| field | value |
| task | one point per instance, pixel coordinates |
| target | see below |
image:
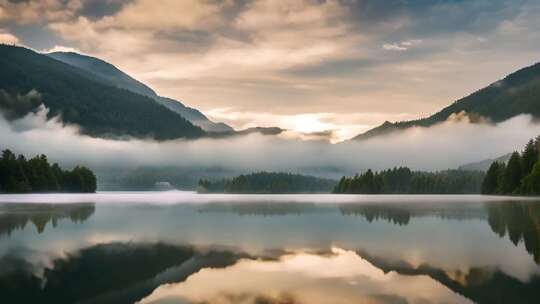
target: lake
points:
(181, 247)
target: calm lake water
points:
(179, 247)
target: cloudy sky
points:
(307, 65)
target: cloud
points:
(297, 56)
(8, 38)
(61, 48)
(169, 15)
(37, 11)
(394, 47)
(443, 146)
(338, 127)
(401, 46)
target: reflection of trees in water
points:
(106, 273)
(401, 214)
(393, 214)
(17, 216)
(520, 221)
(263, 209)
(479, 284)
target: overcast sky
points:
(308, 65)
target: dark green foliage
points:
(18, 175)
(490, 185)
(530, 184)
(520, 176)
(404, 181)
(112, 76)
(530, 156)
(516, 94)
(268, 182)
(16, 106)
(93, 272)
(519, 221)
(511, 177)
(83, 99)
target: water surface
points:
(178, 247)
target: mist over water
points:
(446, 145)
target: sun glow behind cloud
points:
(326, 126)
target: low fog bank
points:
(447, 145)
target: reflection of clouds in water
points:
(302, 277)
(448, 232)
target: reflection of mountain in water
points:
(481, 285)
(128, 272)
(17, 216)
(263, 209)
(105, 273)
(401, 214)
(520, 220)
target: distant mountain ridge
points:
(85, 99)
(483, 165)
(114, 76)
(518, 93)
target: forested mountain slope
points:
(518, 93)
(112, 75)
(82, 99)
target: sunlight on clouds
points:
(61, 48)
(301, 56)
(339, 126)
(168, 15)
(8, 38)
(35, 11)
(401, 46)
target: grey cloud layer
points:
(447, 145)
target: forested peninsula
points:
(403, 180)
(268, 183)
(36, 175)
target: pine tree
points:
(531, 183)
(530, 157)
(491, 181)
(512, 175)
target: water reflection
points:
(268, 249)
(17, 216)
(480, 284)
(303, 277)
(401, 214)
(257, 208)
(520, 221)
(105, 273)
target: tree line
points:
(520, 176)
(21, 175)
(269, 183)
(403, 180)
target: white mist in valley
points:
(446, 145)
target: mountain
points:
(85, 99)
(518, 93)
(259, 130)
(112, 75)
(483, 165)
